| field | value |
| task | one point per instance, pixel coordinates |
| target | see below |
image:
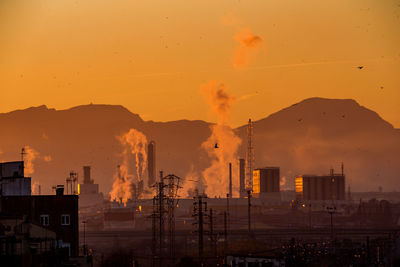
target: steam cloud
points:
(134, 143)
(30, 155)
(249, 44)
(216, 177)
(35, 188)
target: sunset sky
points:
(153, 56)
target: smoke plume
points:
(223, 143)
(248, 45)
(192, 184)
(134, 143)
(122, 186)
(35, 188)
(30, 156)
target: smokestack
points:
(342, 169)
(151, 163)
(86, 175)
(230, 180)
(242, 171)
(60, 190)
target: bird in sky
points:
(216, 145)
(360, 67)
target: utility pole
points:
(227, 210)
(211, 224)
(230, 179)
(249, 210)
(198, 212)
(200, 230)
(161, 215)
(331, 211)
(225, 233)
(84, 238)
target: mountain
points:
(309, 137)
(318, 134)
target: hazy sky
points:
(153, 56)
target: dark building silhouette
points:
(242, 177)
(12, 179)
(266, 180)
(320, 187)
(58, 213)
(151, 163)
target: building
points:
(151, 163)
(88, 187)
(266, 183)
(57, 213)
(13, 181)
(320, 187)
(23, 243)
(242, 177)
(266, 180)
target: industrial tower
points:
(249, 156)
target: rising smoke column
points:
(223, 143)
(134, 143)
(29, 157)
(122, 186)
(248, 45)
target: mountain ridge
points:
(309, 136)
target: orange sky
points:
(153, 56)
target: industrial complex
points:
(254, 224)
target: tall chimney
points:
(151, 163)
(230, 180)
(86, 175)
(60, 190)
(242, 172)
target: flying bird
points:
(216, 145)
(360, 67)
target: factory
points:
(320, 187)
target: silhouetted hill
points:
(318, 134)
(308, 137)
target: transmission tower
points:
(250, 155)
(199, 212)
(164, 203)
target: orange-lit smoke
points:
(134, 142)
(122, 186)
(249, 44)
(282, 183)
(223, 143)
(35, 188)
(192, 184)
(30, 155)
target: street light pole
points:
(84, 238)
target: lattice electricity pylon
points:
(164, 203)
(173, 186)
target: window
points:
(44, 219)
(65, 219)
